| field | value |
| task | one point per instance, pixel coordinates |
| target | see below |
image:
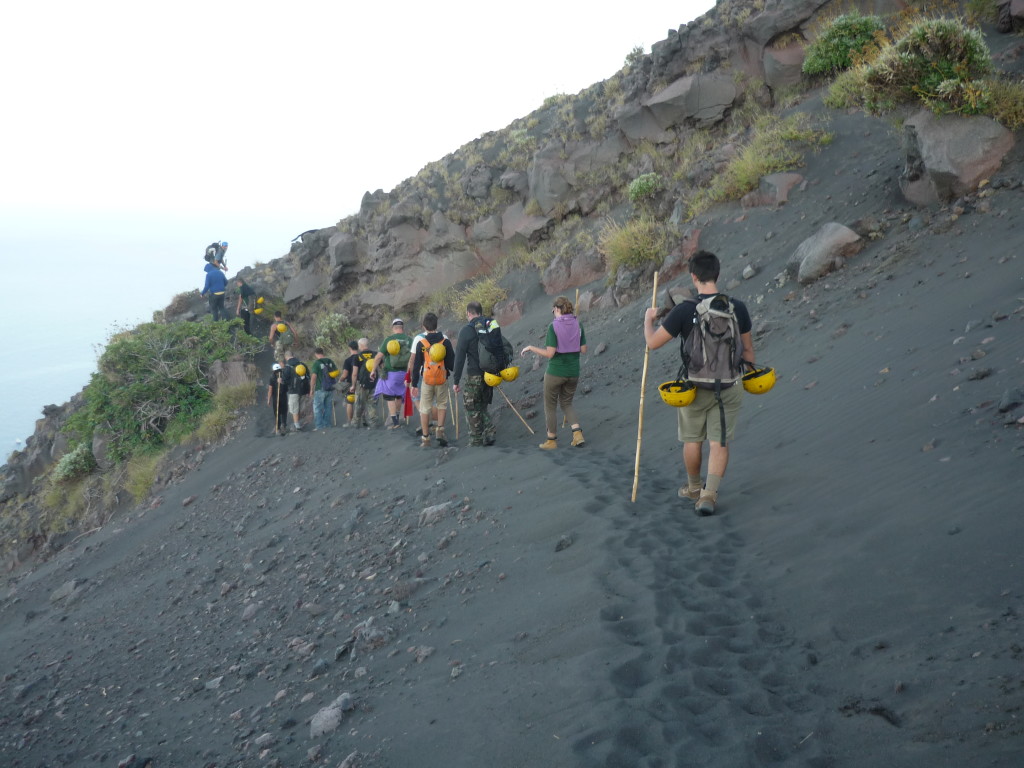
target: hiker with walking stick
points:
(277, 398)
(713, 362)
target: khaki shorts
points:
(701, 420)
(293, 403)
(433, 396)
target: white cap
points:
(398, 321)
(277, 367)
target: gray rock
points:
(325, 721)
(948, 155)
(824, 251)
(1011, 399)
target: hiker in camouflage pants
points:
(476, 394)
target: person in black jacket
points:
(477, 395)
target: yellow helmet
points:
(678, 394)
(759, 380)
(281, 327)
(334, 374)
(258, 310)
(510, 374)
(350, 397)
(492, 380)
(259, 300)
(300, 369)
(369, 365)
(394, 347)
(437, 352)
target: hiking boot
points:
(548, 445)
(690, 492)
(441, 439)
(424, 442)
(706, 503)
(577, 438)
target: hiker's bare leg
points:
(718, 458)
(692, 458)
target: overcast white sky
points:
(287, 110)
(136, 133)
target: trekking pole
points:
(455, 404)
(643, 387)
(334, 413)
(516, 412)
(277, 404)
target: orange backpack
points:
(434, 374)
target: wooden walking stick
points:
(643, 388)
(277, 404)
(516, 412)
(455, 405)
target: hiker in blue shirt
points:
(216, 286)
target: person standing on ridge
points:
(432, 368)
(245, 304)
(216, 285)
(564, 342)
(702, 420)
(215, 253)
(322, 387)
(477, 395)
(390, 368)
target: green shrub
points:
(844, 39)
(773, 145)
(644, 188)
(226, 406)
(983, 10)
(74, 464)
(484, 290)
(1006, 101)
(938, 62)
(141, 474)
(152, 385)
(633, 244)
(333, 331)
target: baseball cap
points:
(277, 367)
(398, 321)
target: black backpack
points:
(494, 351)
(363, 375)
(326, 366)
(297, 385)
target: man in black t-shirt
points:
(699, 421)
(348, 376)
(277, 398)
(244, 306)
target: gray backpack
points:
(711, 353)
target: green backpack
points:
(400, 361)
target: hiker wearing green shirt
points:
(564, 342)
